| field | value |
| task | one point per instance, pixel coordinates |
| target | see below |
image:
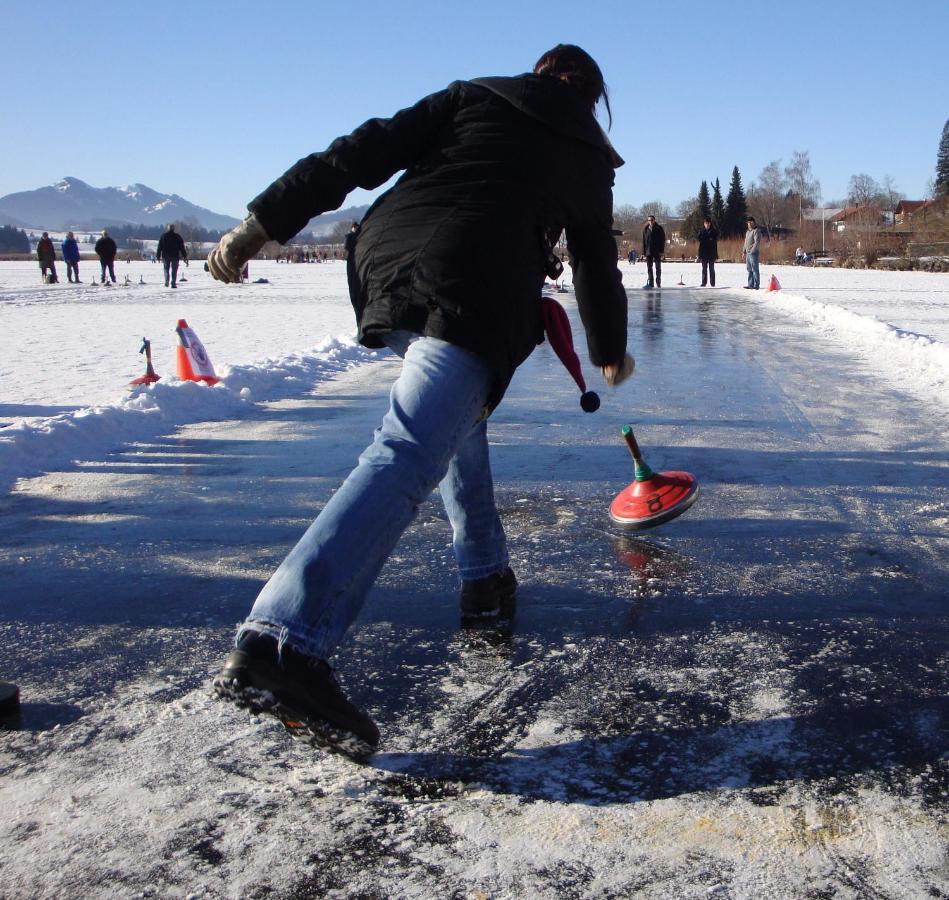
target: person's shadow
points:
(833, 742)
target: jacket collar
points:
(554, 103)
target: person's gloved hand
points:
(617, 373)
(236, 248)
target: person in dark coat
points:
(71, 257)
(46, 254)
(105, 249)
(171, 250)
(708, 251)
(654, 245)
(494, 168)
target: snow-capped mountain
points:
(72, 203)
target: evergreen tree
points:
(718, 206)
(12, 240)
(692, 224)
(736, 208)
(942, 164)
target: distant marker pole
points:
(149, 377)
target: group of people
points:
(654, 245)
(171, 251)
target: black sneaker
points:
(489, 598)
(301, 691)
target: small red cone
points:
(149, 377)
(773, 285)
(653, 497)
(193, 361)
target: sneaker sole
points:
(318, 733)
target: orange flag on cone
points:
(193, 361)
(773, 285)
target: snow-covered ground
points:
(68, 352)
(747, 702)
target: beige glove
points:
(236, 248)
(616, 374)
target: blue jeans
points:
(754, 274)
(434, 433)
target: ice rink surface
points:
(748, 701)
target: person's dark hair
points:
(574, 65)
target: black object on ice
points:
(301, 691)
(9, 700)
(489, 598)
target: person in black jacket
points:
(495, 167)
(171, 250)
(105, 249)
(708, 251)
(46, 254)
(654, 245)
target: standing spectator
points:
(71, 256)
(708, 251)
(46, 254)
(654, 245)
(751, 252)
(171, 250)
(631, 256)
(461, 336)
(106, 250)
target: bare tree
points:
(654, 208)
(340, 230)
(889, 194)
(801, 182)
(863, 190)
(767, 196)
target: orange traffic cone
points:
(773, 284)
(149, 377)
(193, 361)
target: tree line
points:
(12, 240)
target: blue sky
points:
(213, 101)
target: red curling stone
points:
(654, 497)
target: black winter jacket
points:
(708, 243)
(171, 246)
(495, 169)
(654, 243)
(106, 249)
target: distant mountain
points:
(72, 203)
(324, 224)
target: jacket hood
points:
(554, 103)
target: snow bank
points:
(915, 361)
(29, 448)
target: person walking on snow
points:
(751, 253)
(105, 249)
(46, 254)
(493, 167)
(654, 245)
(171, 250)
(71, 257)
(708, 251)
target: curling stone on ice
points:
(149, 377)
(653, 497)
(557, 327)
